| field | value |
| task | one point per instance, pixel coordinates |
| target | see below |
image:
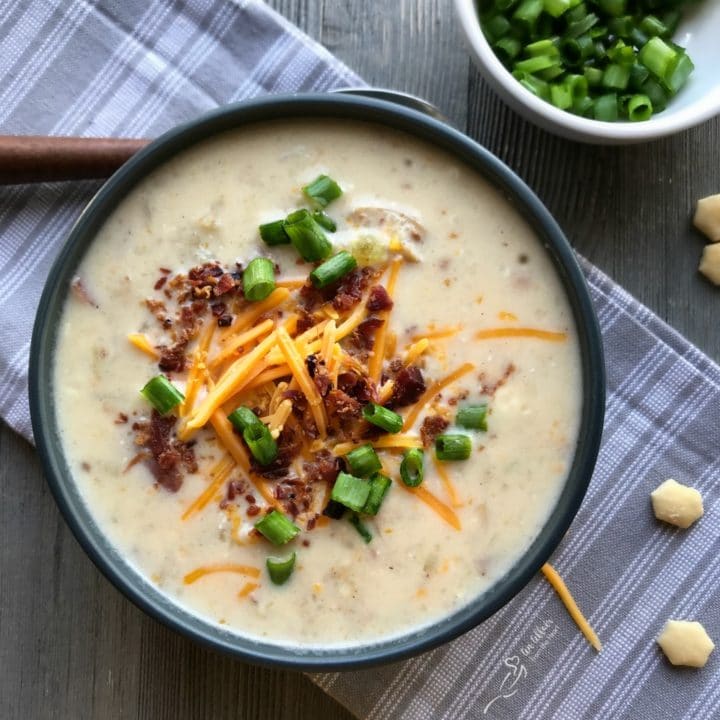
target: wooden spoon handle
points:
(33, 158)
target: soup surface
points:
(476, 307)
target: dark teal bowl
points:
(45, 421)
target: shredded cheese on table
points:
(561, 589)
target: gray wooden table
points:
(72, 647)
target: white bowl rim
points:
(549, 116)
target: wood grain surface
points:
(72, 647)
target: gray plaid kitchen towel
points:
(137, 68)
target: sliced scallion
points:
(639, 108)
(162, 394)
(324, 221)
(473, 417)
(452, 447)
(363, 461)
(350, 491)
(258, 279)
(243, 417)
(273, 233)
(280, 569)
(412, 467)
(322, 190)
(358, 524)
(333, 269)
(261, 443)
(277, 528)
(379, 485)
(383, 418)
(307, 236)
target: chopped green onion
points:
(593, 76)
(575, 51)
(280, 569)
(334, 510)
(543, 47)
(606, 108)
(358, 524)
(162, 394)
(658, 57)
(654, 27)
(350, 491)
(307, 236)
(412, 467)
(261, 443)
(383, 418)
(679, 74)
(560, 96)
(277, 528)
(273, 233)
(333, 269)
(243, 417)
(379, 485)
(324, 221)
(613, 7)
(473, 417)
(581, 27)
(258, 279)
(498, 26)
(639, 108)
(556, 7)
(616, 77)
(507, 48)
(322, 190)
(616, 46)
(452, 447)
(535, 64)
(363, 461)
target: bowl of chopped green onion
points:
(600, 71)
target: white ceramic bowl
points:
(698, 101)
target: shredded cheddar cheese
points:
(231, 346)
(520, 332)
(201, 572)
(558, 584)
(219, 475)
(432, 391)
(247, 588)
(447, 482)
(142, 342)
(435, 504)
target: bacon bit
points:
(160, 282)
(225, 321)
(409, 385)
(491, 389)
(351, 288)
(225, 284)
(218, 309)
(121, 418)
(379, 299)
(342, 410)
(431, 427)
(167, 453)
(78, 289)
(359, 387)
(323, 469)
(362, 339)
(172, 359)
(253, 510)
(200, 572)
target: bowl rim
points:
(78, 516)
(560, 121)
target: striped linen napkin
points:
(137, 68)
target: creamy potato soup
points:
(406, 413)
